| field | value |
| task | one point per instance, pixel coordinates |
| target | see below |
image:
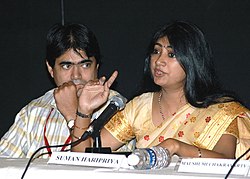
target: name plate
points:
(89, 159)
(213, 166)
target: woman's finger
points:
(112, 78)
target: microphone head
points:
(119, 101)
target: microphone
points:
(117, 103)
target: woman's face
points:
(165, 69)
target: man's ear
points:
(50, 69)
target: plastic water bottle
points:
(149, 158)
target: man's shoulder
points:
(46, 99)
(42, 103)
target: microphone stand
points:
(97, 145)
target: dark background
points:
(123, 28)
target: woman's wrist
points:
(172, 145)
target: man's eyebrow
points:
(70, 63)
(85, 61)
(66, 63)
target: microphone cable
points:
(50, 146)
(235, 162)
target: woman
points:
(185, 111)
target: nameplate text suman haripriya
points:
(89, 159)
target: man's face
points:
(73, 67)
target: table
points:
(12, 168)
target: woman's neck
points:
(171, 101)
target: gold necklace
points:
(159, 101)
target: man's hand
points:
(66, 99)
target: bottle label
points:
(152, 159)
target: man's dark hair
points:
(61, 38)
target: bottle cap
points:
(133, 159)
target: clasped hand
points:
(86, 98)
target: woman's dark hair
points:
(192, 51)
(61, 38)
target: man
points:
(72, 59)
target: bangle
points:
(199, 152)
(78, 138)
(83, 115)
(81, 128)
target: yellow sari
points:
(201, 127)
